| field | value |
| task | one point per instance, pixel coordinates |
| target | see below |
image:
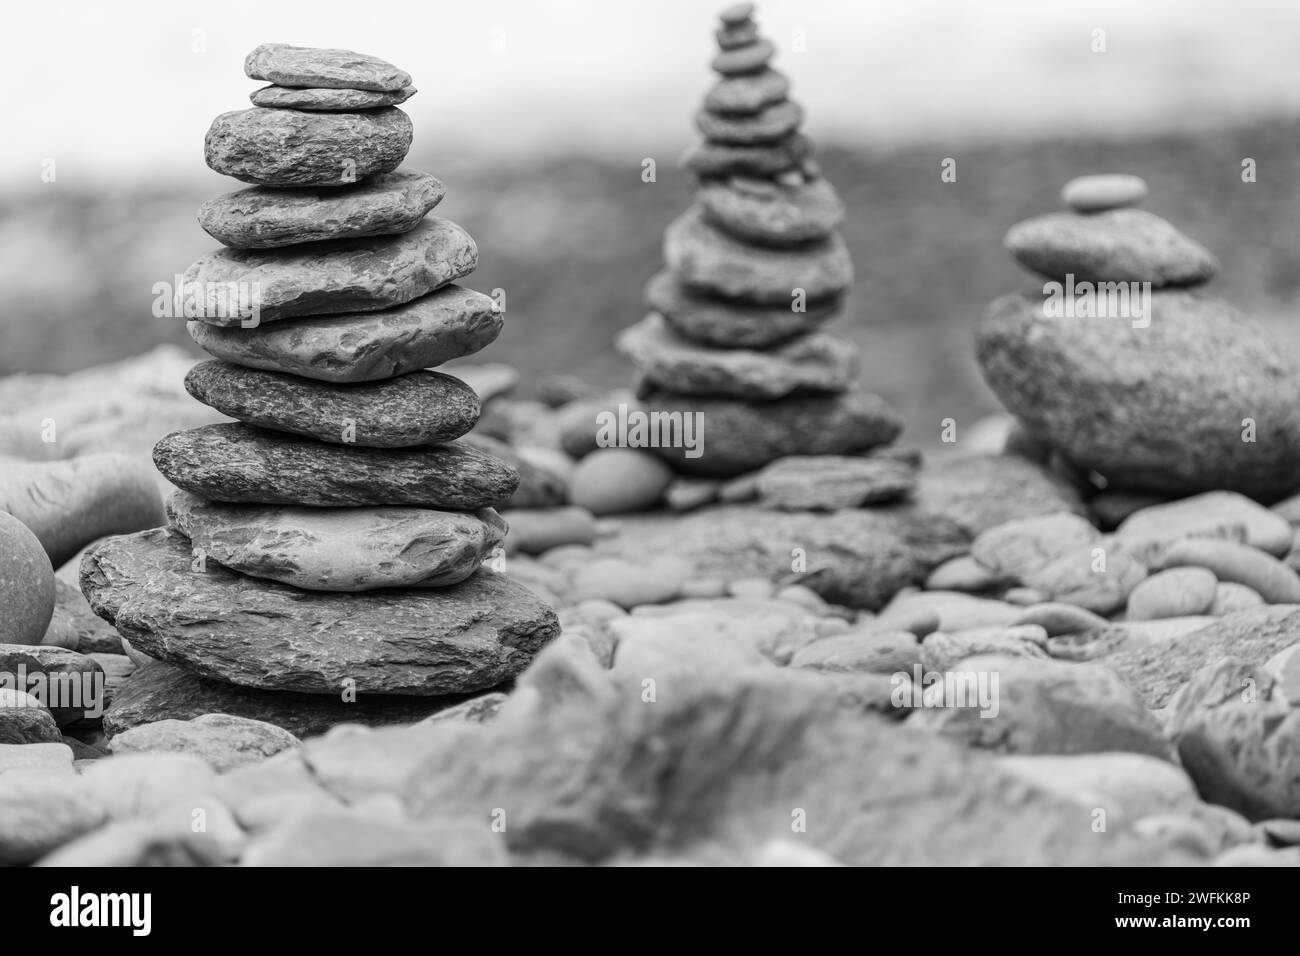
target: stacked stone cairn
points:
(332, 538)
(755, 268)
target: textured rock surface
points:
(265, 218)
(1159, 668)
(419, 408)
(435, 328)
(324, 67)
(811, 363)
(299, 98)
(69, 503)
(1125, 245)
(860, 558)
(707, 259)
(26, 584)
(340, 549)
(743, 436)
(161, 691)
(24, 720)
(239, 463)
(719, 767)
(1243, 755)
(1157, 408)
(328, 278)
(830, 482)
(715, 322)
(222, 740)
(1051, 707)
(268, 147)
(770, 213)
(230, 627)
(982, 491)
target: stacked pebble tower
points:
(333, 536)
(755, 268)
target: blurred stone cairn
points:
(330, 541)
(733, 345)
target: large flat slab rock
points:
(857, 557)
(242, 464)
(327, 278)
(255, 633)
(363, 347)
(271, 147)
(325, 67)
(340, 549)
(262, 217)
(161, 691)
(419, 408)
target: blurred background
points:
(538, 116)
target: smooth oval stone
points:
(70, 502)
(539, 530)
(323, 67)
(1062, 619)
(774, 215)
(1023, 545)
(266, 218)
(224, 741)
(740, 436)
(770, 159)
(449, 323)
(744, 95)
(769, 125)
(963, 574)
(238, 463)
(717, 322)
(707, 259)
(1075, 577)
(631, 584)
(1215, 514)
(1178, 592)
(327, 100)
(816, 362)
(618, 480)
(419, 408)
(327, 278)
(832, 482)
(744, 59)
(26, 584)
(1229, 561)
(258, 633)
(1158, 408)
(1124, 245)
(1101, 192)
(339, 549)
(736, 14)
(268, 147)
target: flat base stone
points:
(254, 633)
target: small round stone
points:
(732, 325)
(1102, 192)
(770, 159)
(774, 215)
(737, 35)
(736, 13)
(26, 584)
(618, 480)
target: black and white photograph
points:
(626, 434)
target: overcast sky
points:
(120, 96)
